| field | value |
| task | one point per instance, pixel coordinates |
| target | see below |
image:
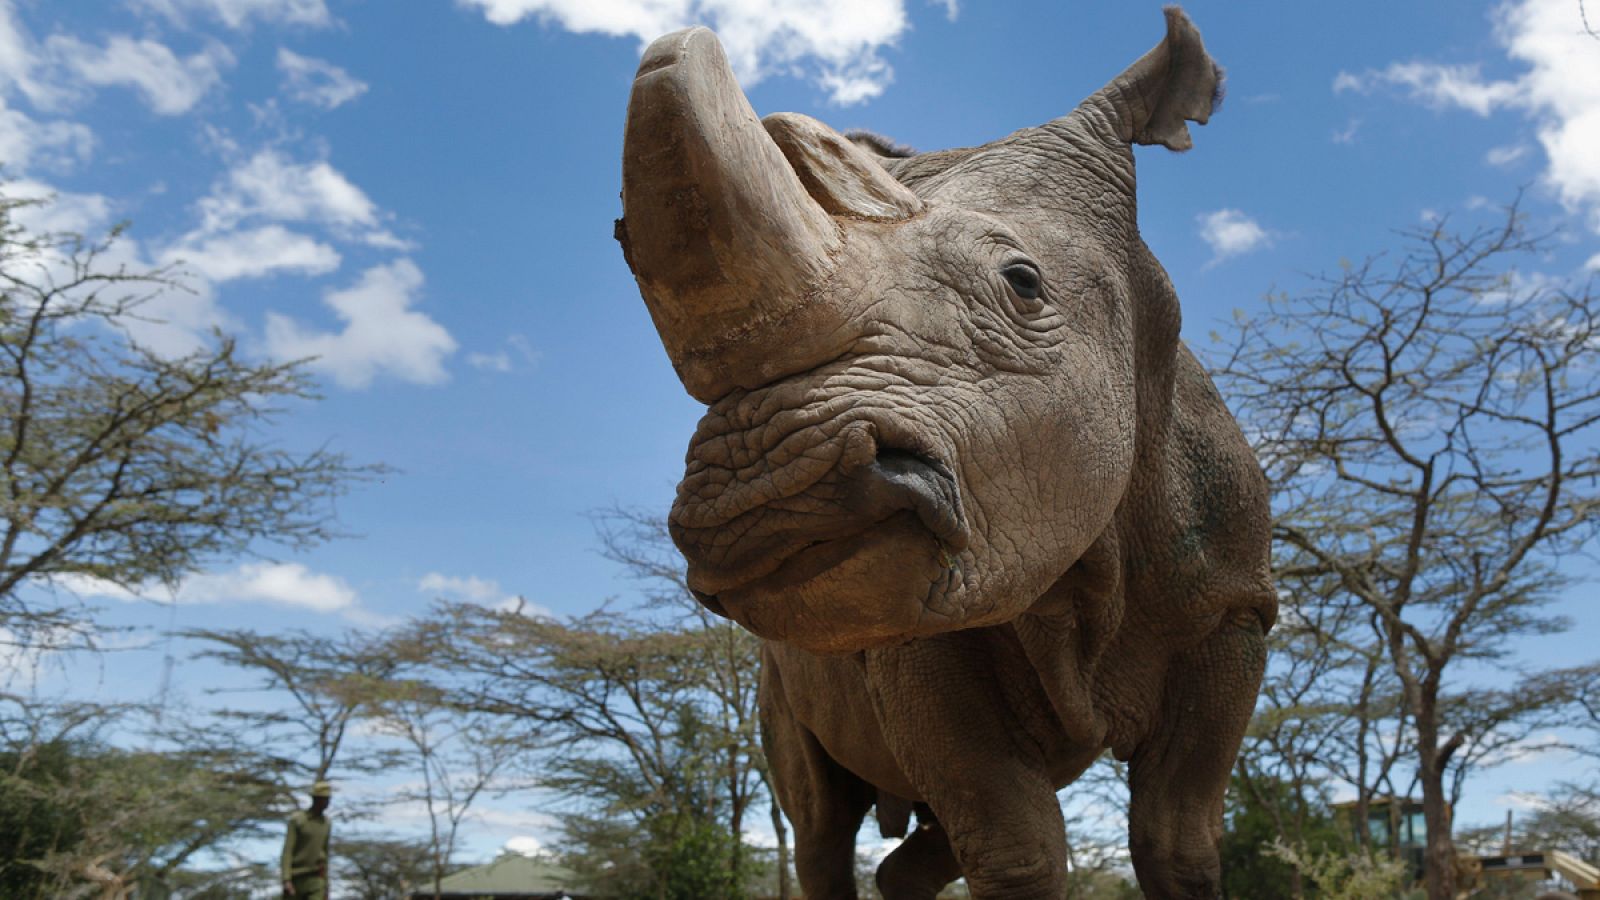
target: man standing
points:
(305, 848)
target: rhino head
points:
(930, 379)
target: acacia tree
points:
(1580, 687)
(143, 815)
(82, 817)
(617, 707)
(458, 755)
(1095, 811)
(645, 718)
(321, 675)
(727, 667)
(120, 464)
(1426, 420)
(1319, 719)
(379, 868)
(36, 742)
(1567, 815)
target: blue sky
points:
(421, 195)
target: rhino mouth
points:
(905, 479)
(897, 485)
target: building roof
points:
(511, 875)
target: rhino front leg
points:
(921, 866)
(823, 801)
(945, 719)
(1179, 774)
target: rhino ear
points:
(1176, 82)
(839, 174)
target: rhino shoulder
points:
(1218, 500)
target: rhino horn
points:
(1176, 82)
(841, 176)
(717, 226)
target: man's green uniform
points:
(305, 855)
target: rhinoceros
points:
(958, 470)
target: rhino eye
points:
(1025, 280)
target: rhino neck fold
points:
(1066, 633)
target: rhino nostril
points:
(905, 479)
(710, 601)
(898, 460)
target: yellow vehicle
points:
(1397, 822)
(1541, 866)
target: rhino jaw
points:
(882, 586)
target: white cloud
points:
(237, 14)
(271, 187)
(1434, 84)
(1535, 748)
(382, 335)
(23, 655)
(15, 57)
(18, 61)
(1521, 800)
(482, 591)
(1347, 135)
(836, 43)
(856, 83)
(493, 818)
(287, 584)
(254, 253)
(171, 322)
(240, 235)
(26, 143)
(63, 211)
(1507, 155)
(505, 360)
(1559, 91)
(1562, 92)
(284, 584)
(512, 817)
(170, 85)
(499, 361)
(317, 82)
(176, 322)
(1231, 233)
(525, 845)
(1593, 265)
(64, 68)
(467, 587)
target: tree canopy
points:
(1427, 421)
(121, 465)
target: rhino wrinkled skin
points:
(957, 469)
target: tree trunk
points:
(1439, 858)
(1297, 882)
(736, 852)
(1359, 813)
(736, 804)
(783, 848)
